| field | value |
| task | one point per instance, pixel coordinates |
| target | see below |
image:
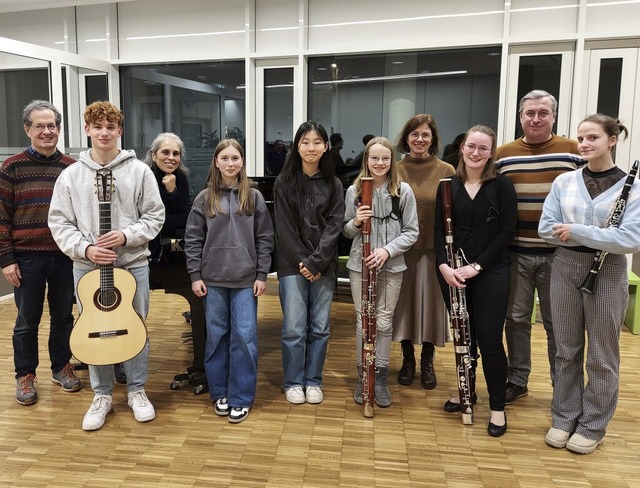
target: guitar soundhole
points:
(106, 300)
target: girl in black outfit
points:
(484, 217)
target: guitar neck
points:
(106, 270)
(105, 217)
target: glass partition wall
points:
(202, 103)
(377, 93)
(22, 79)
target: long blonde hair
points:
(215, 183)
(393, 176)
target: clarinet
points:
(368, 309)
(612, 221)
(458, 314)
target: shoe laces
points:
(98, 404)
(68, 372)
(139, 398)
(25, 383)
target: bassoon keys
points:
(368, 308)
(458, 313)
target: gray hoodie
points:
(230, 250)
(395, 236)
(136, 209)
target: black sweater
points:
(177, 204)
(316, 243)
(482, 229)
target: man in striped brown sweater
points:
(29, 257)
(532, 162)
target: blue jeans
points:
(39, 270)
(306, 308)
(137, 368)
(528, 273)
(231, 350)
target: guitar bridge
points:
(108, 333)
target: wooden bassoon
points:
(458, 314)
(368, 308)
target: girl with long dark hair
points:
(309, 208)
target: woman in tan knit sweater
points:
(420, 315)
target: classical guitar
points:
(108, 330)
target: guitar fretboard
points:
(107, 292)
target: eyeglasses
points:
(542, 115)
(42, 127)
(226, 159)
(414, 136)
(377, 159)
(482, 150)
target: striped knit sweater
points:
(26, 187)
(532, 169)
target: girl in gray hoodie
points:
(228, 243)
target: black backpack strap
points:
(396, 211)
(395, 208)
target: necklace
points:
(472, 188)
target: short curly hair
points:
(99, 111)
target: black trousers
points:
(487, 296)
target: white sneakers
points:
(557, 437)
(297, 395)
(143, 411)
(101, 405)
(581, 445)
(97, 413)
(294, 395)
(576, 443)
(313, 394)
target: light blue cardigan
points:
(569, 202)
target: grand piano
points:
(169, 273)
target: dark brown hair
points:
(412, 124)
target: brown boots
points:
(408, 370)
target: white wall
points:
(151, 31)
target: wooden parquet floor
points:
(411, 444)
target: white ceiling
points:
(20, 5)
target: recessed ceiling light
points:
(397, 62)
